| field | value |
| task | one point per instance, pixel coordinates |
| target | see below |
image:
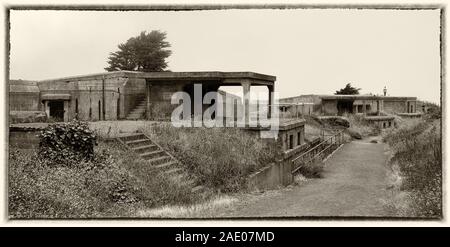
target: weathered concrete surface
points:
(354, 184)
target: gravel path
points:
(354, 183)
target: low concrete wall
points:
(24, 138)
(271, 177)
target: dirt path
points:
(354, 184)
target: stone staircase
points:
(139, 111)
(159, 159)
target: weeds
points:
(221, 158)
(418, 156)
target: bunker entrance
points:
(344, 106)
(57, 110)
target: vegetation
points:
(146, 52)
(221, 158)
(418, 159)
(348, 89)
(110, 182)
(67, 143)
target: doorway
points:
(57, 110)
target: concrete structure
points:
(356, 104)
(381, 122)
(127, 94)
(23, 96)
(295, 110)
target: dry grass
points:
(417, 161)
(206, 209)
(221, 158)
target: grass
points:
(205, 209)
(114, 184)
(221, 158)
(417, 162)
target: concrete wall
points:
(394, 106)
(24, 101)
(88, 96)
(329, 107)
(161, 95)
(285, 137)
(25, 139)
(271, 176)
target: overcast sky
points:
(309, 51)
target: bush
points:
(67, 143)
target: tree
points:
(348, 89)
(146, 52)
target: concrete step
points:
(135, 141)
(139, 143)
(165, 165)
(159, 160)
(145, 148)
(136, 111)
(173, 171)
(132, 137)
(153, 154)
(135, 115)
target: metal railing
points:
(319, 151)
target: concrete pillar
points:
(270, 102)
(378, 107)
(149, 104)
(246, 86)
(47, 108)
(66, 111)
(364, 106)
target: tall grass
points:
(418, 157)
(221, 158)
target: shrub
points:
(65, 143)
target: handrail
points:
(320, 152)
(307, 152)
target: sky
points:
(310, 51)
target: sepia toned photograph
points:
(225, 112)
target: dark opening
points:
(367, 108)
(118, 108)
(99, 110)
(298, 138)
(76, 108)
(384, 125)
(344, 106)
(57, 110)
(359, 108)
(291, 141)
(390, 123)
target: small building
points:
(23, 96)
(127, 94)
(356, 104)
(381, 122)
